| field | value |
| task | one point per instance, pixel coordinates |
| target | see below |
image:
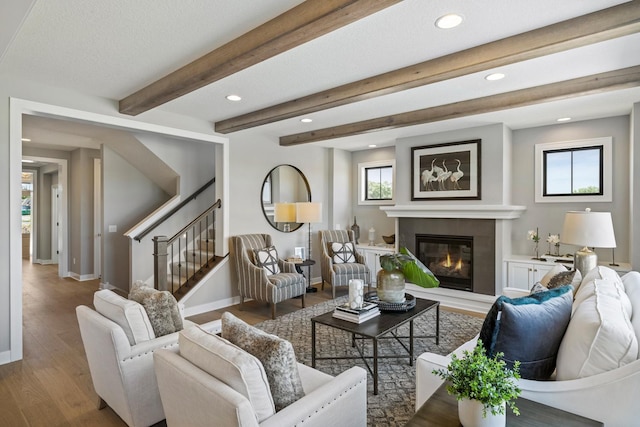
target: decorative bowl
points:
(389, 240)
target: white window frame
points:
(607, 174)
(362, 167)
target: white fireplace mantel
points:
(454, 211)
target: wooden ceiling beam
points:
(598, 83)
(305, 22)
(592, 28)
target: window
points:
(574, 171)
(376, 182)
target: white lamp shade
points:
(284, 212)
(308, 212)
(590, 229)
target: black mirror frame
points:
(295, 226)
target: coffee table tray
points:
(408, 304)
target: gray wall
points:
(492, 155)
(370, 215)
(81, 215)
(128, 196)
(549, 217)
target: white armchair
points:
(237, 394)
(119, 351)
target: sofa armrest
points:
(426, 382)
(341, 402)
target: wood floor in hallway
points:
(52, 386)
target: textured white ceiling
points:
(113, 48)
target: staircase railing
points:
(174, 210)
(178, 259)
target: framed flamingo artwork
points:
(446, 171)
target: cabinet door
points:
(539, 271)
(519, 275)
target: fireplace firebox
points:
(450, 259)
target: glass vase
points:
(390, 286)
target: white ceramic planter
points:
(470, 413)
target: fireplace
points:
(475, 240)
(450, 259)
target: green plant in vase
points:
(483, 379)
(398, 268)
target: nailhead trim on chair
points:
(333, 400)
(147, 352)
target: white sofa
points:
(213, 382)
(119, 343)
(609, 396)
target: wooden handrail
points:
(148, 230)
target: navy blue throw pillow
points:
(529, 329)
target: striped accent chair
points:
(339, 274)
(254, 282)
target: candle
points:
(356, 287)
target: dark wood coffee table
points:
(376, 329)
(441, 410)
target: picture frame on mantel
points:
(449, 171)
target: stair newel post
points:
(160, 264)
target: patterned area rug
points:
(394, 404)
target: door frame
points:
(19, 107)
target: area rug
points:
(394, 404)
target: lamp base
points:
(585, 260)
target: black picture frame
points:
(448, 171)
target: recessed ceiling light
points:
(564, 119)
(450, 20)
(494, 76)
(27, 161)
(306, 120)
(26, 140)
(372, 145)
(234, 97)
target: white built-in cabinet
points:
(372, 257)
(523, 274)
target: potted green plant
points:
(483, 386)
(398, 267)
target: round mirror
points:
(284, 186)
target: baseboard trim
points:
(210, 306)
(5, 357)
(45, 261)
(83, 277)
(460, 300)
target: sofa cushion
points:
(230, 364)
(161, 307)
(631, 283)
(343, 252)
(277, 357)
(529, 329)
(130, 315)
(600, 336)
(267, 258)
(559, 275)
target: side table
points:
(307, 263)
(441, 410)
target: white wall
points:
(340, 198)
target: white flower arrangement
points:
(533, 235)
(554, 239)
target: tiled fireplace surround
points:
(490, 226)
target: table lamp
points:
(587, 229)
(286, 213)
(308, 212)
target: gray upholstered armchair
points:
(349, 267)
(254, 279)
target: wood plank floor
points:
(52, 385)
